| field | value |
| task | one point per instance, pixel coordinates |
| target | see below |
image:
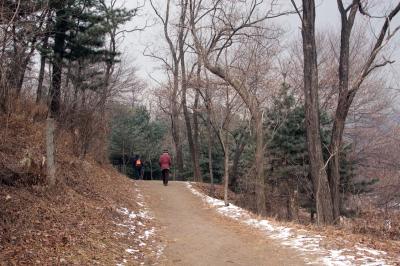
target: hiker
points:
(165, 164)
(138, 167)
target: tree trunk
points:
(252, 104)
(4, 88)
(261, 188)
(334, 149)
(123, 158)
(317, 168)
(225, 146)
(151, 169)
(4, 96)
(15, 67)
(240, 145)
(59, 43)
(178, 147)
(292, 202)
(175, 127)
(210, 160)
(50, 152)
(45, 44)
(39, 92)
(181, 42)
(209, 137)
(24, 66)
(55, 92)
(343, 106)
(22, 71)
(174, 103)
(196, 170)
(196, 135)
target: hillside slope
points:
(94, 216)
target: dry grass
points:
(73, 224)
(368, 229)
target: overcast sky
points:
(135, 43)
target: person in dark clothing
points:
(139, 167)
(165, 165)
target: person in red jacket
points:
(165, 164)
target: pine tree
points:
(78, 35)
(289, 162)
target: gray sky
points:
(135, 43)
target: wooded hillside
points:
(299, 122)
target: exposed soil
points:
(196, 235)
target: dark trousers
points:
(165, 176)
(139, 172)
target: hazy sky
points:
(135, 43)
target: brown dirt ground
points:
(366, 230)
(197, 235)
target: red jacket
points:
(165, 161)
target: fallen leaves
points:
(73, 224)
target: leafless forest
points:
(302, 127)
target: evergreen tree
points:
(289, 161)
(134, 133)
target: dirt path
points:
(197, 235)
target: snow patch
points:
(123, 263)
(301, 240)
(149, 233)
(131, 251)
(131, 221)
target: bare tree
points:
(347, 91)
(184, 84)
(222, 32)
(220, 114)
(317, 167)
(174, 67)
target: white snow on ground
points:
(301, 240)
(123, 263)
(131, 222)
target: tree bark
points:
(196, 147)
(123, 158)
(59, 43)
(24, 66)
(181, 43)
(210, 160)
(175, 122)
(55, 92)
(225, 146)
(196, 170)
(151, 169)
(45, 44)
(209, 136)
(177, 139)
(50, 152)
(317, 168)
(346, 95)
(292, 202)
(39, 91)
(347, 23)
(22, 71)
(240, 145)
(261, 188)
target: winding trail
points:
(196, 235)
